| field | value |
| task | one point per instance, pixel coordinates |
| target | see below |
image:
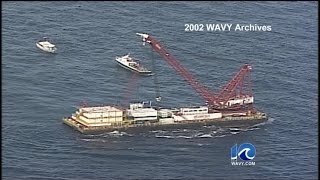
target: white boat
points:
(132, 64)
(46, 45)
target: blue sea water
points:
(39, 89)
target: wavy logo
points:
(245, 151)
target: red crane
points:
(236, 95)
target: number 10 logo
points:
(246, 152)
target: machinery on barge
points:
(232, 106)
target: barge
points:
(142, 115)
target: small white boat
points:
(132, 64)
(46, 45)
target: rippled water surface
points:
(39, 89)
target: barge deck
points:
(238, 122)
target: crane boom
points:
(171, 60)
(234, 93)
(237, 81)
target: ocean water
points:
(39, 89)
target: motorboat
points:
(132, 64)
(46, 45)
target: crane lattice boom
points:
(237, 92)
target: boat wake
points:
(108, 134)
(204, 132)
(269, 121)
(93, 140)
(163, 136)
(205, 136)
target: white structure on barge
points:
(98, 116)
(196, 113)
(138, 113)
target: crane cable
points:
(155, 80)
(131, 85)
